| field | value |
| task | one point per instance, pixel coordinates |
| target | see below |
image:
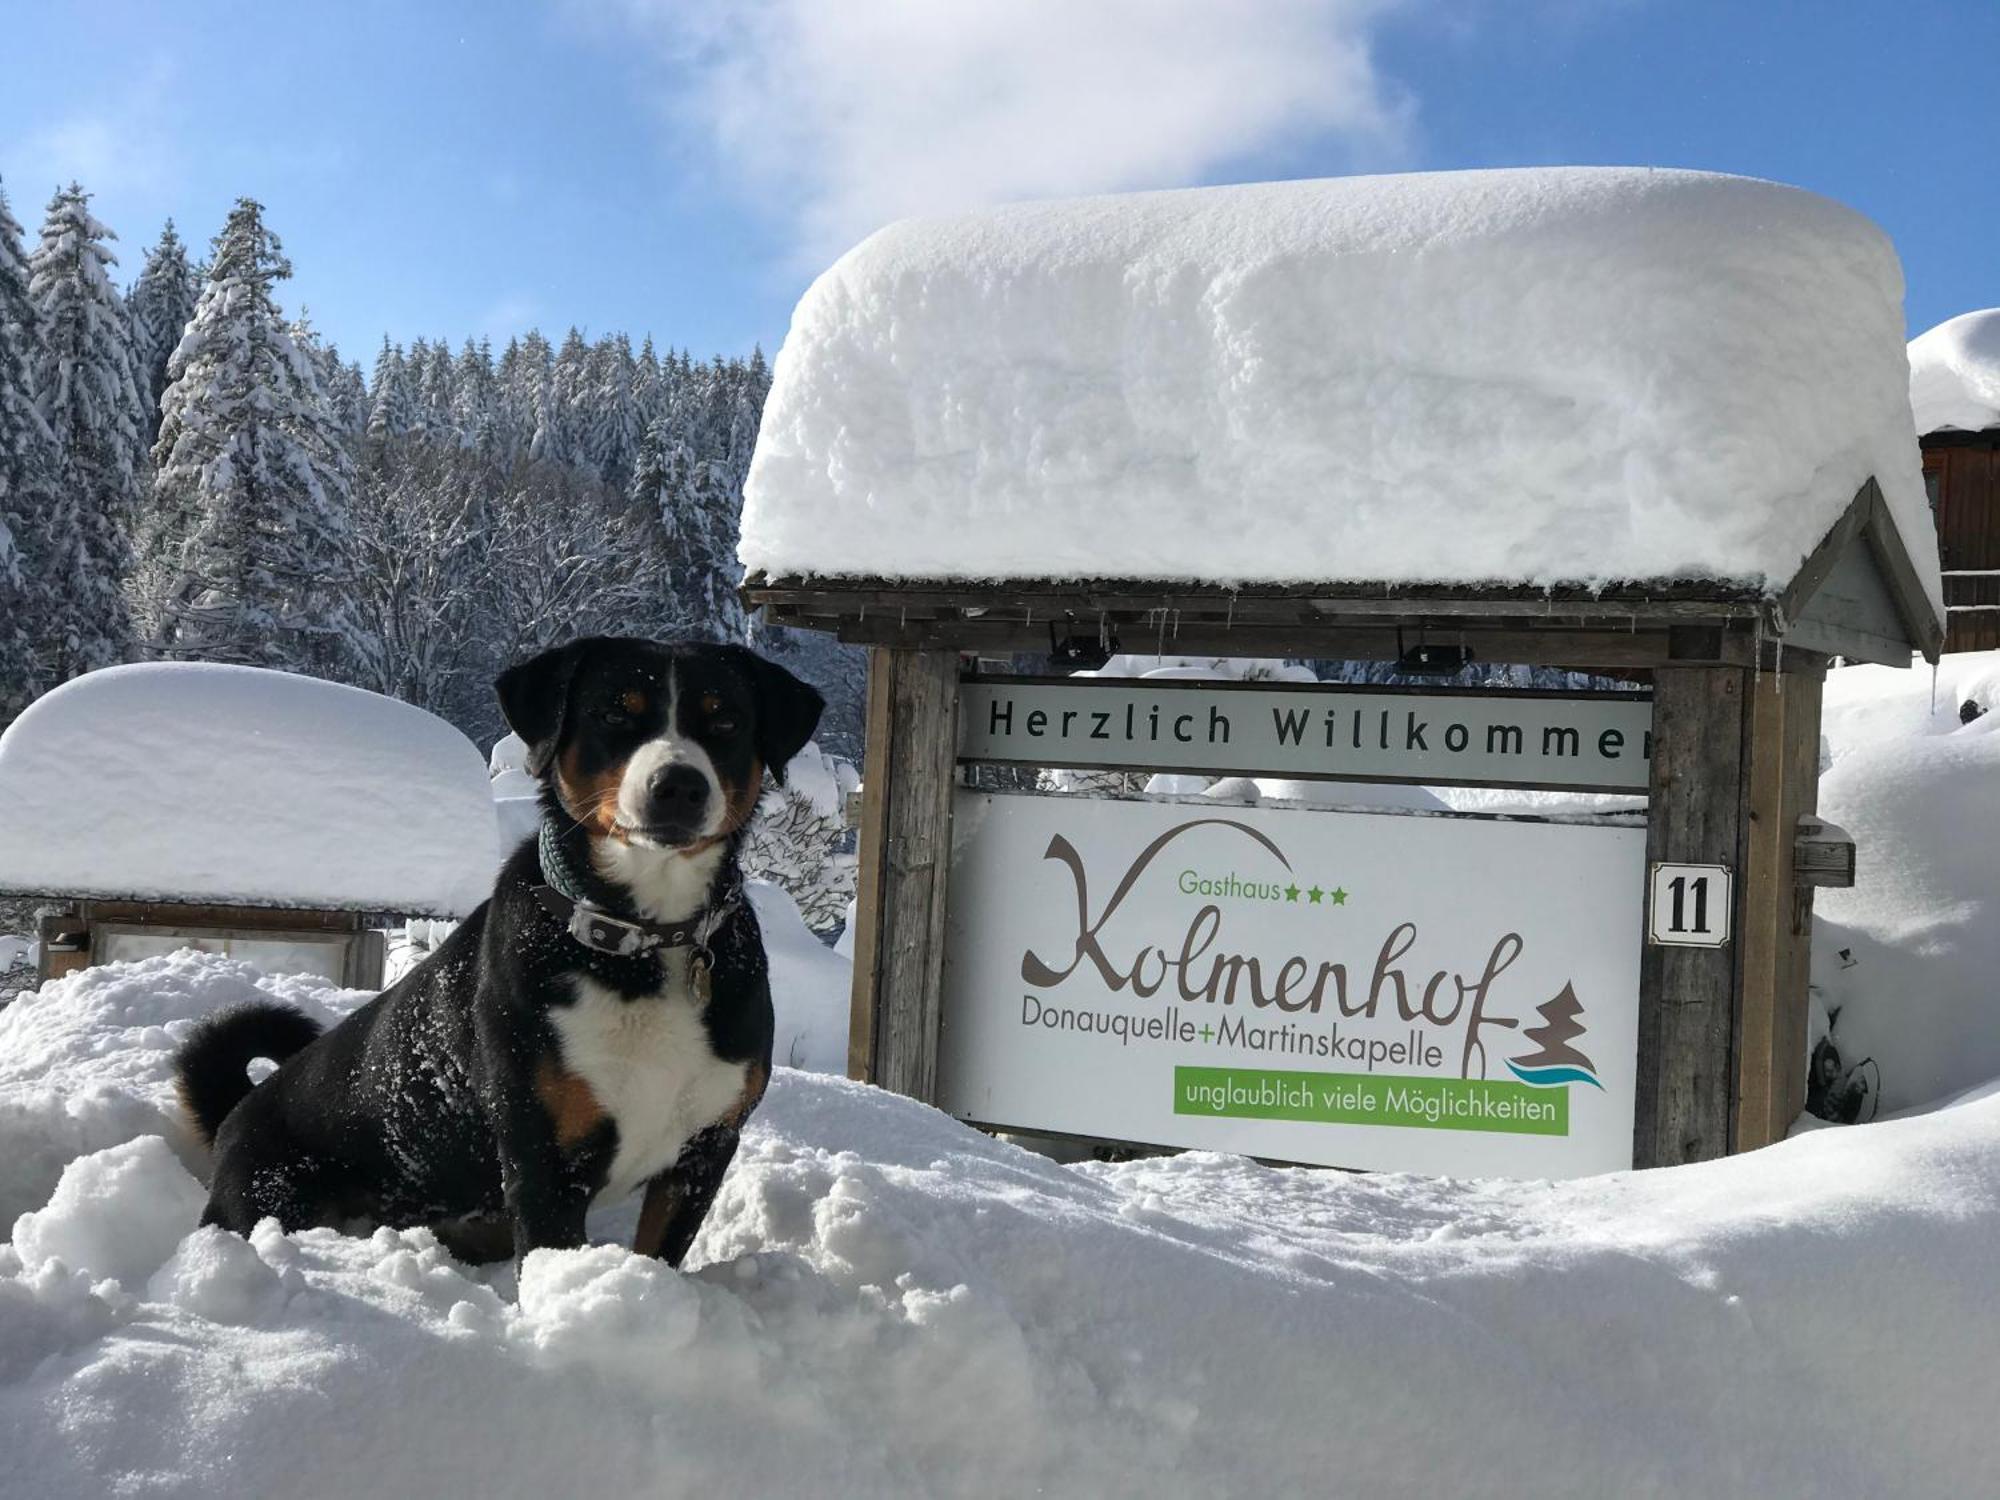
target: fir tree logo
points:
(1555, 1061)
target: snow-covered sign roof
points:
(1550, 377)
(197, 782)
(1955, 373)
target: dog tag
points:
(700, 977)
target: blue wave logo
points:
(1554, 1077)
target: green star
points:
(1339, 897)
(1291, 893)
(1314, 894)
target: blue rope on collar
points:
(602, 932)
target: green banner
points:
(1372, 1099)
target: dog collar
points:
(600, 931)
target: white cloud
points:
(839, 115)
(120, 148)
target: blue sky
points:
(679, 168)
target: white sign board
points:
(1688, 906)
(1427, 994)
(1590, 742)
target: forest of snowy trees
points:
(187, 473)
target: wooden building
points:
(1962, 474)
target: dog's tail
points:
(212, 1067)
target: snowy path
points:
(887, 1302)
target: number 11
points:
(1678, 885)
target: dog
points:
(601, 1023)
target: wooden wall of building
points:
(1962, 473)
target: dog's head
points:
(657, 745)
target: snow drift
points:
(886, 1302)
(1910, 956)
(190, 781)
(1572, 375)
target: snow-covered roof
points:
(1553, 376)
(1955, 373)
(197, 782)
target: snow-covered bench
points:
(274, 817)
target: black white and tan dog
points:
(602, 1023)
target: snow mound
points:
(1549, 376)
(1910, 957)
(811, 985)
(1955, 373)
(190, 781)
(885, 1302)
(86, 1061)
(118, 1213)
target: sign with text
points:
(1585, 742)
(1429, 994)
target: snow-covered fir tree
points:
(28, 473)
(474, 414)
(437, 389)
(85, 389)
(799, 837)
(160, 304)
(254, 564)
(409, 531)
(565, 405)
(392, 409)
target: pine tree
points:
(614, 426)
(699, 530)
(568, 392)
(648, 388)
(28, 496)
(798, 837)
(161, 303)
(437, 389)
(349, 394)
(474, 414)
(85, 388)
(253, 474)
(392, 410)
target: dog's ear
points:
(534, 698)
(788, 710)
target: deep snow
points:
(1955, 373)
(886, 1302)
(1550, 375)
(1910, 957)
(197, 782)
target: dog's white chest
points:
(649, 1066)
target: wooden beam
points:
(211, 914)
(846, 595)
(915, 771)
(1781, 754)
(876, 789)
(1885, 542)
(1686, 1066)
(1581, 650)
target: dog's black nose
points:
(679, 792)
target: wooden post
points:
(1781, 759)
(905, 849)
(1687, 1010)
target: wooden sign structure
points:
(1731, 781)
